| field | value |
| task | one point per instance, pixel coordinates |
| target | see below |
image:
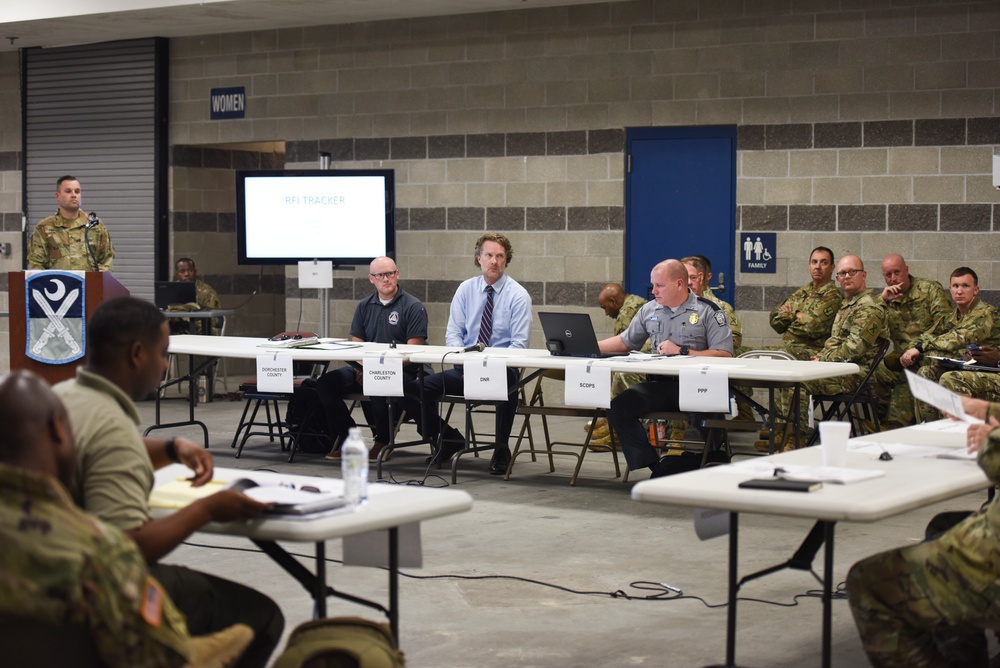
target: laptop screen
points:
(166, 293)
(570, 334)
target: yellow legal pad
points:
(179, 493)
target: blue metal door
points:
(680, 199)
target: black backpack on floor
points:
(305, 413)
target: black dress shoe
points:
(446, 452)
(500, 461)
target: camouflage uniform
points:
(927, 604)
(980, 325)
(923, 311)
(62, 567)
(59, 243)
(804, 337)
(621, 381)
(860, 323)
(734, 321)
(206, 298)
(978, 384)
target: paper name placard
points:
(383, 375)
(274, 373)
(372, 548)
(316, 274)
(704, 390)
(710, 523)
(486, 379)
(588, 386)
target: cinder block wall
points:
(863, 126)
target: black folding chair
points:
(842, 406)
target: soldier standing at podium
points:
(61, 241)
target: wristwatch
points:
(684, 350)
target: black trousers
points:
(333, 386)
(452, 381)
(212, 604)
(638, 401)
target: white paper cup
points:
(833, 440)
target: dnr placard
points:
(228, 103)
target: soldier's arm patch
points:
(152, 602)
(720, 318)
(870, 332)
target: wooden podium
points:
(99, 286)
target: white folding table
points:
(388, 507)
(908, 483)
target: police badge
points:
(55, 309)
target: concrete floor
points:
(468, 605)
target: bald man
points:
(858, 328)
(387, 315)
(678, 322)
(918, 308)
(64, 567)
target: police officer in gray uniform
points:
(678, 322)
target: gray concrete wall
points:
(864, 126)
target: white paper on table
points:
(274, 373)
(832, 474)
(959, 453)
(383, 375)
(898, 449)
(704, 390)
(588, 386)
(948, 426)
(939, 397)
(486, 379)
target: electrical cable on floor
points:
(427, 476)
(662, 591)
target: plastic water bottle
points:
(354, 468)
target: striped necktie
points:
(486, 324)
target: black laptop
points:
(167, 293)
(571, 334)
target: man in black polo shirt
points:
(388, 315)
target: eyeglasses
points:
(849, 272)
(384, 275)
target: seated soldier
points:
(918, 307)
(65, 569)
(804, 319)
(205, 298)
(929, 604)
(973, 321)
(858, 329)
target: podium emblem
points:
(55, 316)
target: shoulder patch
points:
(720, 318)
(715, 307)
